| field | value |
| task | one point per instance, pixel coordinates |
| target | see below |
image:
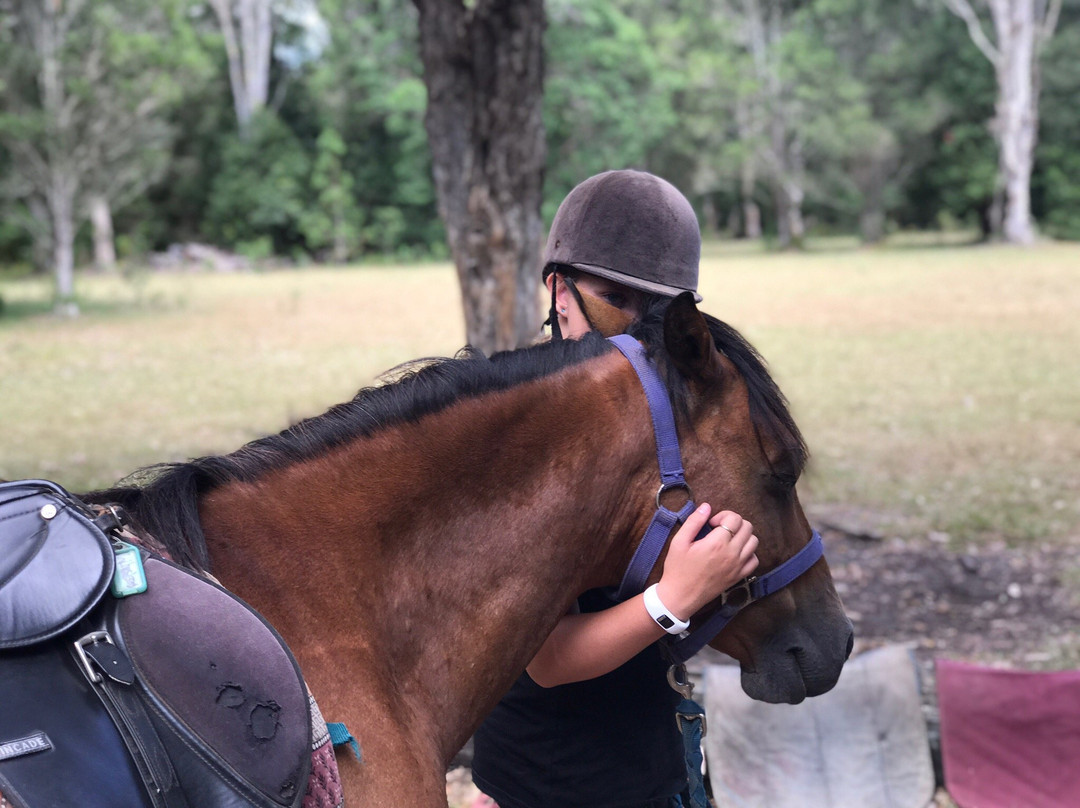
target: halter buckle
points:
(739, 595)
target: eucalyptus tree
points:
(1021, 29)
(247, 30)
(85, 86)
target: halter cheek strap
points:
(664, 520)
(671, 471)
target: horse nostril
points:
(850, 644)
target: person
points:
(591, 721)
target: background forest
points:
(867, 116)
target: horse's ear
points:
(688, 340)
(604, 317)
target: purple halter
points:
(665, 520)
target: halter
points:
(672, 475)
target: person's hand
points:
(696, 572)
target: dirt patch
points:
(991, 604)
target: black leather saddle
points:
(179, 696)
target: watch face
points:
(665, 621)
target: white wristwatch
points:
(662, 615)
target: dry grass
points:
(937, 386)
(181, 365)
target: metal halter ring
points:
(671, 486)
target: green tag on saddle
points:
(129, 577)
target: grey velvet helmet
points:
(630, 227)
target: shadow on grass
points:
(21, 310)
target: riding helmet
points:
(630, 227)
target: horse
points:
(415, 545)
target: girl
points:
(591, 721)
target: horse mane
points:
(163, 498)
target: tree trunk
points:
(102, 224)
(1017, 120)
(248, 52)
(483, 67)
(751, 210)
(62, 212)
(871, 224)
(62, 180)
(1021, 28)
(796, 193)
(747, 122)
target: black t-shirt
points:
(609, 742)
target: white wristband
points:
(661, 614)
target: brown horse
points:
(415, 545)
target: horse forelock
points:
(769, 411)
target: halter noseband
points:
(665, 520)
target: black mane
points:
(164, 498)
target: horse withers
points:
(416, 545)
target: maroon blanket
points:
(1010, 739)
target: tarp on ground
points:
(863, 744)
(1009, 739)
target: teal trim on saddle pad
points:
(340, 735)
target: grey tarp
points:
(864, 744)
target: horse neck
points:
(454, 544)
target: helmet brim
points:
(652, 287)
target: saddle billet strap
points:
(112, 678)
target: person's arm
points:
(584, 646)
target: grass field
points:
(938, 386)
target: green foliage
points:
(890, 104)
(1056, 184)
(367, 87)
(953, 178)
(260, 191)
(333, 222)
(606, 104)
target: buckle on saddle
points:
(80, 652)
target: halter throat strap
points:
(672, 475)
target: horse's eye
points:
(784, 482)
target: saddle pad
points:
(864, 743)
(1009, 739)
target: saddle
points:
(129, 681)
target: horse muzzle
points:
(795, 664)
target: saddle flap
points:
(55, 564)
(219, 672)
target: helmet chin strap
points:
(553, 314)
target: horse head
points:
(742, 451)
